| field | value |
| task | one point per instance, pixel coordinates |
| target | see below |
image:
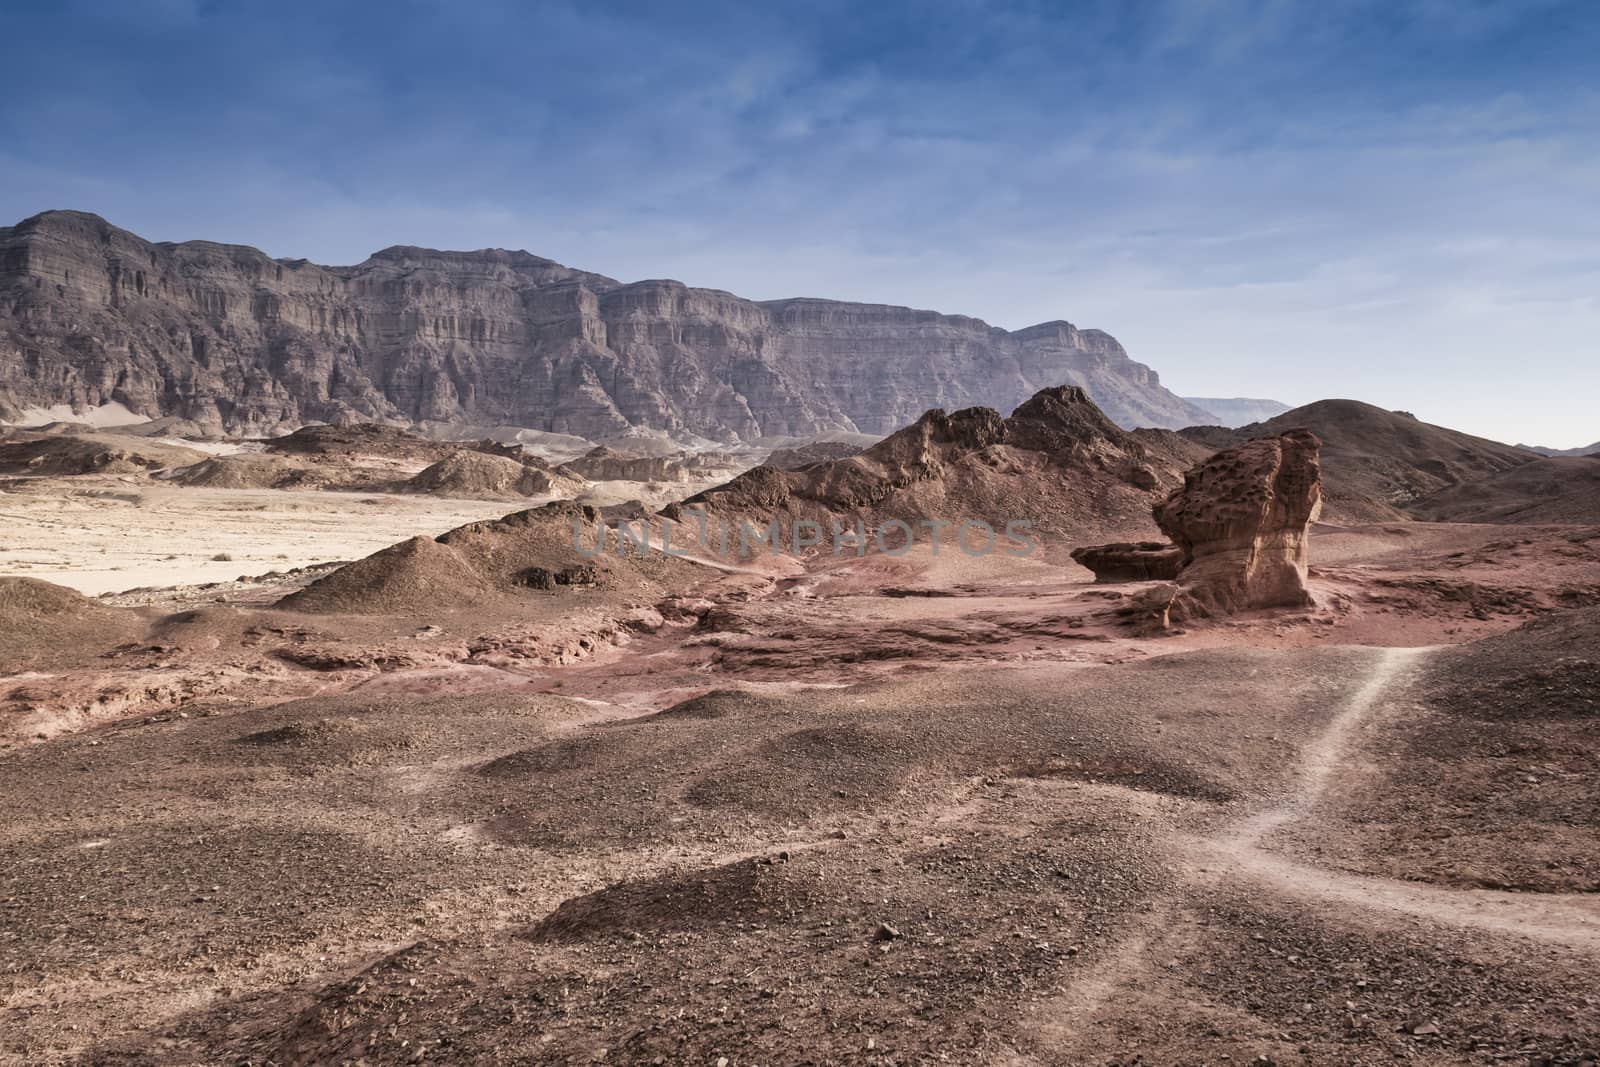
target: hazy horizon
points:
(1391, 203)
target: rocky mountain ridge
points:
(1057, 464)
(228, 337)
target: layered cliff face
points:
(230, 338)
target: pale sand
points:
(103, 535)
(112, 414)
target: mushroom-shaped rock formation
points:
(1241, 521)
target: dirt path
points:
(1572, 920)
(1238, 853)
(1322, 758)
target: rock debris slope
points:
(229, 338)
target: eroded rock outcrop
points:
(1131, 561)
(1057, 466)
(605, 464)
(1241, 521)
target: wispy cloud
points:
(1363, 197)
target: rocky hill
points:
(1057, 464)
(227, 337)
(1376, 463)
(1555, 489)
(470, 474)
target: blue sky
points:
(1393, 201)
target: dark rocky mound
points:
(245, 471)
(311, 745)
(480, 476)
(554, 548)
(741, 892)
(412, 576)
(71, 453)
(557, 546)
(1559, 489)
(791, 459)
(42, 624)
(306, 732)
(1212, 438)
(1057, 463)
(1376, 463)
(29, 600)
(360, 439)
(719, 703)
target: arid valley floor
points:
(790, 809)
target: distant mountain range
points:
(1586, 450)
(229, 338)
(1238, 410)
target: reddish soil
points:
(870, 811)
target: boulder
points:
(1241, 520)
(1131, 561)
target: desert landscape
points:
(1276, 746)
(1094, 564)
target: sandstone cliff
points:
(227, 337)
